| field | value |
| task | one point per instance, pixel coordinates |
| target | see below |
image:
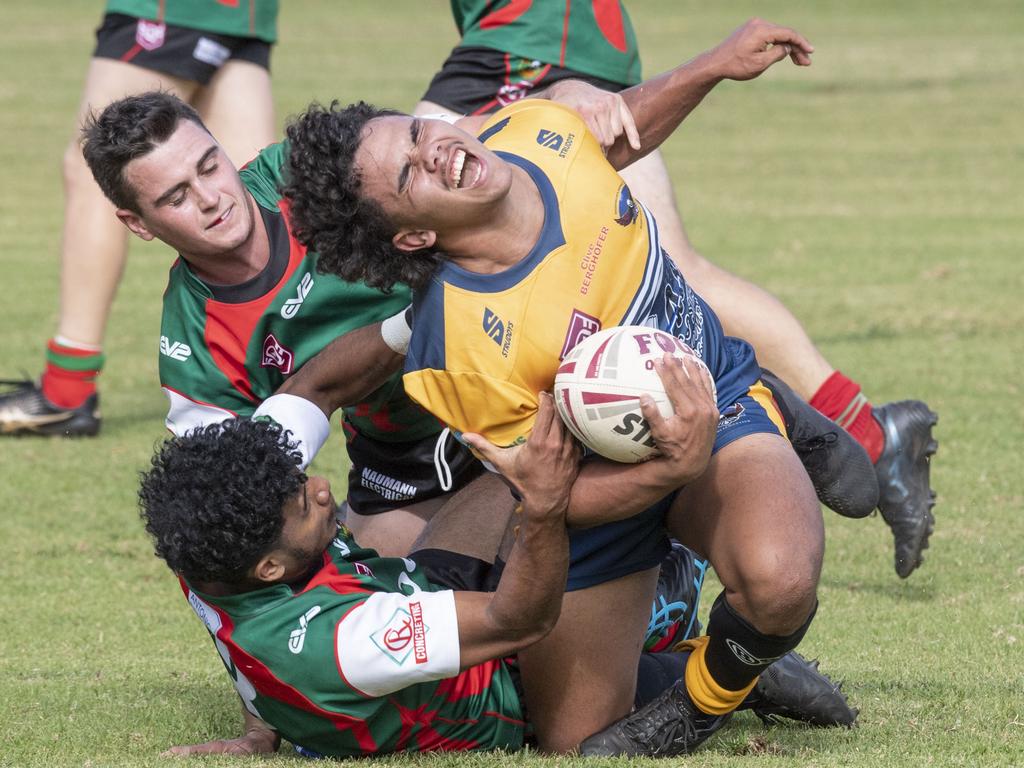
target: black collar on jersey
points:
(270, 275)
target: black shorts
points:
(190, 54)
(388, 475)
(475, 81)
(457, 571)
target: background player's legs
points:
(238, 108)
(582, 676)
(746, 310)
(94, 242)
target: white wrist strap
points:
(396, 332)
(306, 422)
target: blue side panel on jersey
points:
(551, 237)
(426, 348)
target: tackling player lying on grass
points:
(500, 228)
(350, 654)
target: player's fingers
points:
(483, 447)
(545, 426)
(786, 35)
(629, 124)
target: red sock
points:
(70, 375)
(841, 400)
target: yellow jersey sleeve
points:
(500, 411)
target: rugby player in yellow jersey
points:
(497, 230)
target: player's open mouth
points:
(222, 218)
(464, 170)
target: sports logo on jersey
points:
(625, 207)
(276, 356)
(404, 634)
(297, 638)
(363, 569)
(549, 139)
(589, 262)
(513, 92)
(497, 331)
(581, 325)
(746, 656)
(150, 35)
(176, 350)
(292, 306)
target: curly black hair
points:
(213, 500)
(128, 129)
(350, 233)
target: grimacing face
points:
(428, 175)
(189, 195)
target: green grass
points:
(877, 193)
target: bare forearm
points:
(345, 371)
(660, 104)
(606, 491)
(526, 604)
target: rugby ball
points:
(599, 384)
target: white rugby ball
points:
(599, 384)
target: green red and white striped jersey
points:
(239, 18)
(223, 350)
(593, 37)
(362, 659)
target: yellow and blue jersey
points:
(483, 346)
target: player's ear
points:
(269, 569)
(135, 223)
(414, 239)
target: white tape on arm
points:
(305, 420)
(396, 332)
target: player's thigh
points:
(393, 532)
(108, 80)
(582, 677)
(755, 516)
(474, 521)
(238, 107)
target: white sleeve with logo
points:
(393, 640)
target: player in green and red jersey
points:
(340, 650)
(213, 54)
(347, 653)
(512, 48)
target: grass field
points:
(878, 194)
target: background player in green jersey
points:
(510, 50)
(213, 55)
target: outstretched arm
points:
(526, 604)
(660, 104)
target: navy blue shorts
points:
(610, 551)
